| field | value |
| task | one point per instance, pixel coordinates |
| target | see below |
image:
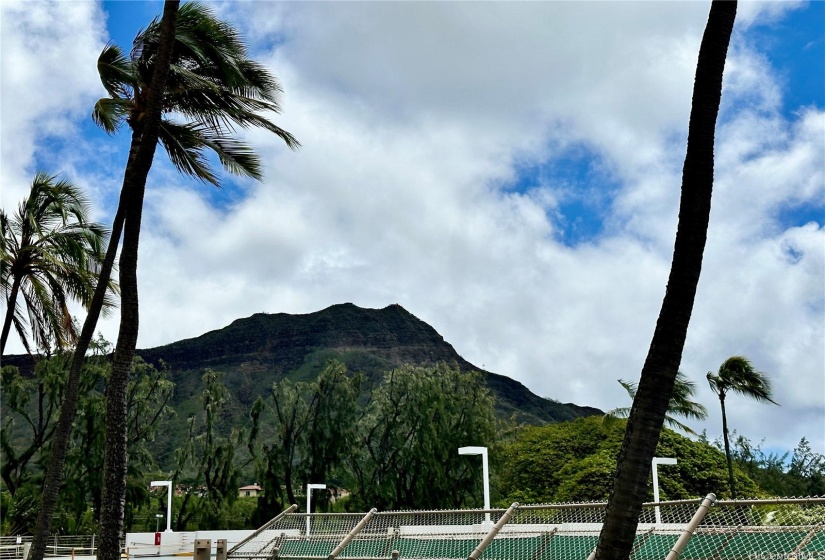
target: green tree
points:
(576, 461)
(50, 254)
(406, 455)
(214, 86)
(331, 418)
(737, 375)
(807, 471)
(210, 464)
(313, 430)
(665, 353)
(681, 404)
(30, 406)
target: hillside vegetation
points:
(374, 403)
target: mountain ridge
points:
(256, 351)
(278, 345)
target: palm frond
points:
(737, 374)
(54, 252)
(213, 83)
(109, 114)
(673, 423)
(117, 73)
(235, 156)
(680, 404)
(184, 145)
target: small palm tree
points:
(50, 254)
(738, 375)
(680, 404)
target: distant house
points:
(249, 491)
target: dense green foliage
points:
(30, 409)
(406, 454)
(574, 461)
(380, 450)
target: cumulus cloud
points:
(49, 52)
(418, 118)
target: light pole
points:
(486, 472)
(158, 516)
(168, 484)
(656, 462)
(310, 488)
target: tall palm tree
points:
(50, 254)
(665, 353)
(212, 85)
(737, 374)
(196, 67)
(681, 404)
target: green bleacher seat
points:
(743, 544)
(816, 544)
(652, 546)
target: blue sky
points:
(507, 172)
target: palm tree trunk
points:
(115, 455)
(661, 365)
(15, 288)
(68, 410)
(727, 449)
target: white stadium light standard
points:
(168, 484)
(486, 471)
(656, 462)
(310, 488)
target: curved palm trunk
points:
(661, 365)
(68, 410)
(15, 288)
(115, 455)
(727, 448)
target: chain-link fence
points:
(687, 529)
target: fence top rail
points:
(572, 505)
(771, 501)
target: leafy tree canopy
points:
(574, 461)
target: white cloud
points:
(413, 115)
(49, 53)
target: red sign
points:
(157, 538)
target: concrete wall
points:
(178, 543)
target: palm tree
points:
(738, 375)
(212, 84)
(665, 353)
(192, 65)
(50, 254)
(680, 404)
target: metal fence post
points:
(485, 542)
(355, 530)
(691, 527)
(264, 527)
